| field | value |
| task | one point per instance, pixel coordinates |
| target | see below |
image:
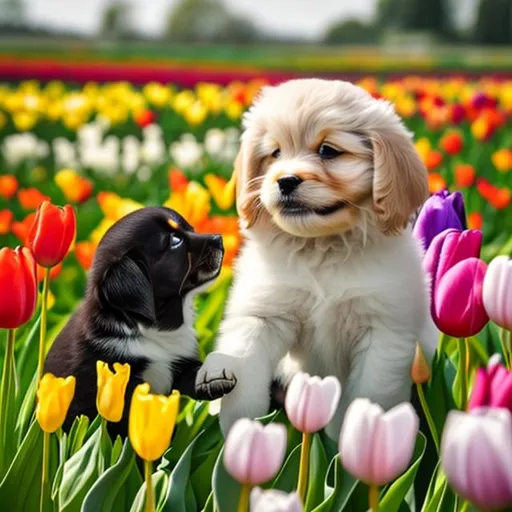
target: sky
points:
(307, 18)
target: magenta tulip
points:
(457, 299)
(497, 291)
(274, 501)
(253, 453)
(476, 455)
(377, 446)
(492, 387)
(311, 402)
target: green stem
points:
(462, 374)
(373, 498)
(243, 502)
(44, 472)
(505, 344)
(102, 462)
(428, 415)
(465, 506)
(5, 391)
(42, 331)
(150, 495)
(304, 465)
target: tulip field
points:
(107, 149)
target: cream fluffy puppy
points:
(329, 280)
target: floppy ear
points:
(127, 287)
(400, 183)
(247, 188)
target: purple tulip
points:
(253, 453)
(492, 387)
(440, 211)
(274, 501)
(311, 402)
(476, 455)
(377, 446)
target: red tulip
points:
(452, 143)
(52, 233)
(458, 299)
(18, 287)
(144, 118)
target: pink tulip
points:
(492, 387)
(377, 446)
(274, 501)
(253, 453)
(476, 455)
(458, 303)
(497, 291)
(311, 402)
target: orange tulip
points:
(452, 143)
(52, 233)
(6, 218)
(31, 198)
(8, 186)
(499, 198)
(482, 129)
(433, 159)
(436, 183)
(464, 175)
(75, 188)
(177, 180)
(475, 220)
(84, 253)
(20, 229)
(18, 288)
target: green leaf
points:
(286, 479)
(159, 480)
(201, 477)
(208, 506)
(178, 480)
(77, 434)
(226, 489)
(397, 491)
(102, 496)
(26, 411)
(318, 466)
(80, 473)
(116, 450)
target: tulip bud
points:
(152, 420)
(52, 233)
(497, 291)
(420, 369)
(54, 397)
(492, 387)
(274, 501)
(253, 453)
(476, 455)
(440, 211)
(18, 287)
(377, 446)
(311, 402)
(111, 390)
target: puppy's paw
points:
(216, 377)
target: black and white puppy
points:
(138, 309)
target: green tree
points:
(427, 15)
(351, 32)
(116, 20)
(494, 22)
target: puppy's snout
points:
(215, 242)
(287, 184)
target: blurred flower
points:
(234, 110)
(75, 188)
(54, 397)
(193, 203)
(420, 369)
(111, 388)
(452, 143)
(54, 272)
(186, 152)
(497, 291)
(84, 253)
(311, 401)
(52, 233)
(8, 186)
(274, 501)
(436, 183)
(492, 387)
(423, 147)
(18, 287)
(20, 229)
(482, 129)
(115, 207)
(99, 231)
(476, 440)
(195, 114)
(157, 94)
(6, 218)
(24, 121)
(151, 422)
(499, 198)
(464, 175)
(502, 159)
(177, 180)
(31, 198)
(253, 453)
(222, 191)
(457, 113)
(475, 220)
(377, 446)
(440, 211)
(144, 117)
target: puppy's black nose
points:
(287, 184)
(216, 242)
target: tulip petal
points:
(293, 400)
(323, 401)
(497, 291)
(480, 395)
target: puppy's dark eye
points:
(276, 153)
(176, 241)
(327, 152)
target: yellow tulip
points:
(152, 421)
(234, 110)
(223, 192)
(54, 397)
(502, 160)
(423, 147)
(196, 113)
(193, 203)
(24, 121)
(157, 94)
(111, 390)
(183, 100)
(3, 120)
(100, 230)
